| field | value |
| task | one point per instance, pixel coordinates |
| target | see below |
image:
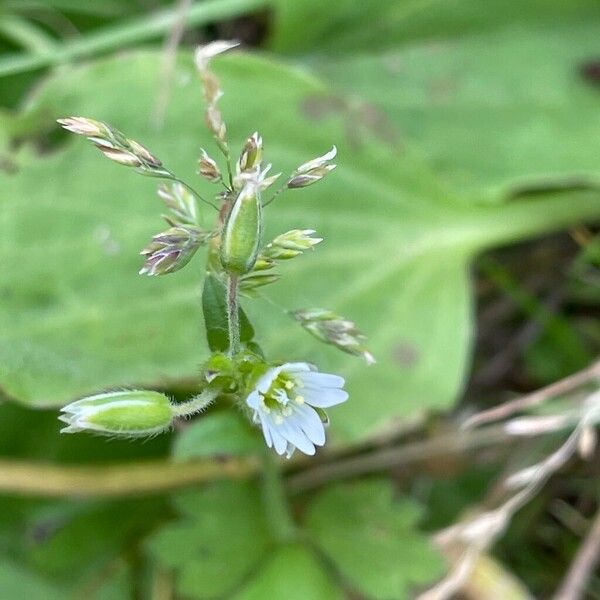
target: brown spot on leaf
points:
(405, 354)
(319, 107)
(359, 119)
(590, 71)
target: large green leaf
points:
(492, 91)
(76, 318)
(17, 582)
(293, 573)
(221, 539)
(372, 539)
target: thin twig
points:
(479, 533)
(575, 582)
(563, 386)
(168, 62)
(398, 456)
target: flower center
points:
(282, 392)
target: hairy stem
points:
(197, 403)
(233, 314)
(275, 500)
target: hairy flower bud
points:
(242, 231)
(312, 171)
(291, 244)
(208, 168)
(128, 413)
(171, 250)
(330, 328)
(251, 154)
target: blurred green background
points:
(459, 234)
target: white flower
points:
(285, 401)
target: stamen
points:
(299, 400)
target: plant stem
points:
(197, 403)
(173, 177)
(233, 314)
(229, 170)
(117, 480)
(275, 500)
(129, 33)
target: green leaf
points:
(398, 243)
(214, 307)
(314, 28)
(218, 433)
(292, 573)
(451, 77)
(372, 539)
(80, 540)
(17, 582)
(220, 540)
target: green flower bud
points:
(128, 413)
(251, 154)
(291, 244)
(242, 231)
(263, 264)
(249, 283)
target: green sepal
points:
(127, 412)
(240, 239)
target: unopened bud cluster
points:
(114, 144)
(212, 89)
(172, 249)
(333, 329)
(312, 171)
(181, 204)
(291, 244)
